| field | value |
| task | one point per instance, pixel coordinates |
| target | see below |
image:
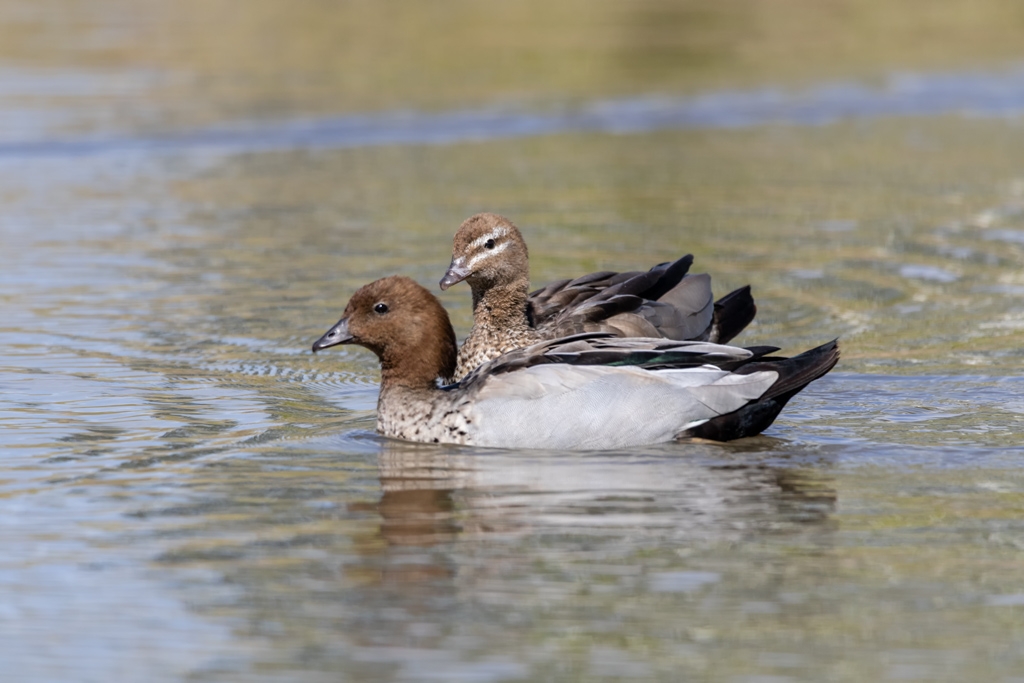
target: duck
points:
(490, 254)
(589, 391)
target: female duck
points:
(590, 391)
(489, 252)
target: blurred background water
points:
(191, 190)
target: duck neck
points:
(428, 352)
(502, 307)
(399, 377)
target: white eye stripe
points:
(486, 254)
(495, 234)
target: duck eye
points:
(381, 308)
(489, 244)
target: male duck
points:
(489, 252)
(590, 391)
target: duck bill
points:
(336, 335)
(457, 272)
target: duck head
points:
(487, 250)
(404, 325)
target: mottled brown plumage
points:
(489, 253)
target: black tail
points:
(733, 312)
(794, 374)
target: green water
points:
(186, 493)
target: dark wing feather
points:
(686, 312)
(605, 349)
(550, 301)
(733, 312)
(671, 274)
(662, 302)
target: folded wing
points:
(593, 391)
(661, 302)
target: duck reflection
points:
(707, 493)
(460, 549)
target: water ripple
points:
(971, 93)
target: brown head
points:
(405, 325)
(487, 251)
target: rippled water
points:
(188, 494)
(976, 94)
